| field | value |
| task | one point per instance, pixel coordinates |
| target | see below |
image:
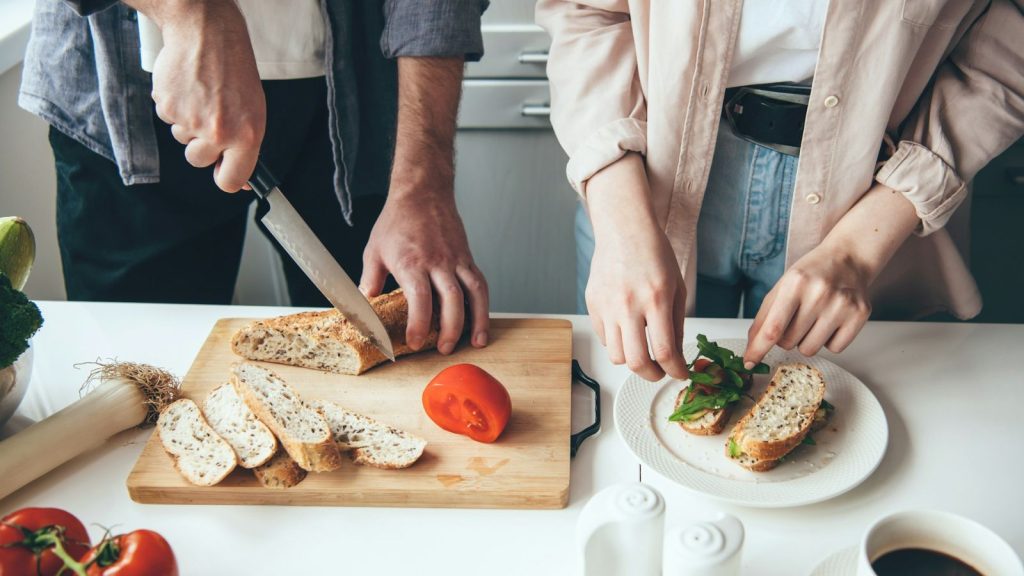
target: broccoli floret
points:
(19, 320)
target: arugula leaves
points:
(728, 385)
(726, 358)
(808, 441)
(694, 403)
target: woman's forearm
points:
(619, 199)
(873, 229)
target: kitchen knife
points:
(322, 269)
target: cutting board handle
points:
(575, 440)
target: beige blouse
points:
(916, 94)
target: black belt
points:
(770, 115)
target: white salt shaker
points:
(620, 531)
(707, 548)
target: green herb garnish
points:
(724, 376)
(827, 406)
(734, 449)
(808, 441)
(697, 403)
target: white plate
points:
(847, 451)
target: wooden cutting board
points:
(528, 467)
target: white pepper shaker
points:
(620, 531)
(707, 548)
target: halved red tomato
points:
(465, 399)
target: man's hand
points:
(206, 86)
(635, 293)
(419, 238)
(822, 300)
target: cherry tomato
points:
(27, 541)
(138, 553)
(467, 400)
(700, 364)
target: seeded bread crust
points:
(302, 431)
(230, 418)
(279, 472)
(783, 415)
(199, 454)
(711, 423)
(368, 441)
(326, 340)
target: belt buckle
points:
(735, 102)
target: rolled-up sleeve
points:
(439, 28)
(973, 111)
(598, 109)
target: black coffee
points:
(921, 562)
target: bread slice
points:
(782, 416)
(199, 454)
(279, 472)
(326, 340)
(303, 432)
(370, 442)
(229, 417)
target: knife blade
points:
(313, 258)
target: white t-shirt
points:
(778, 41)
(287, 38)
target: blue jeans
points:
(741, 232)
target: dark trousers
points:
(181, 240)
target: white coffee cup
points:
(950, 534)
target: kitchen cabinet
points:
(510, 180)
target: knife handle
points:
(262, 181)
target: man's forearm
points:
(874, 228)
(428, 103)
(215, 13)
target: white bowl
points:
(14, 383)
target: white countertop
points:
(923, 374)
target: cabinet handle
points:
(536, 110)
(533, 57)
(1015, 176)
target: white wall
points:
(28, 185)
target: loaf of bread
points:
(199, 453)
(302, 431)
(327, 340)
(370, 442)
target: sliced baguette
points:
(782, 416)
(710, 423)
(326, 340)
(303, 432)
(755, 465)
(279, 472)
(229, 417)
(199, 454)
(370, 442)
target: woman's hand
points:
(822, 300)
(635, 294)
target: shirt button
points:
(831, 101)
(812, 198)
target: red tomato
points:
(467, 400)
(27, 539)
(138, 553)
(700, 364)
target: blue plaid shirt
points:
(83, 75)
